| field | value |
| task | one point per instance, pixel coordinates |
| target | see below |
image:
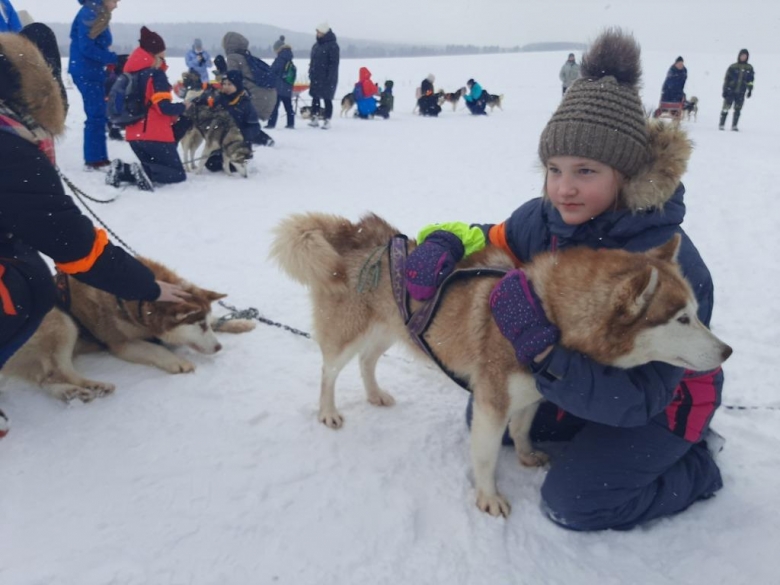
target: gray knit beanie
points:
(601, 116)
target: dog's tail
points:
(303, 252)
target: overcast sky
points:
(682, 25)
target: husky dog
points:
(305, 112)
(347, 103)
(691, 108)
(134, 331)
(217, 128)
(453, 98)
(495, 101)
(621, 309)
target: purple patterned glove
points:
(431, 262)
(520, 318)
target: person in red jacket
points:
(152, 137)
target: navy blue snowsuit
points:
(635, 452)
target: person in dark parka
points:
(284, 89)
(323, 75)
(639, 445)
(673, 89)
(738, 82)
(90, 42)
(428, 101)
(37, 217)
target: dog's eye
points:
(685, 320)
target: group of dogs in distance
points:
(443, 97)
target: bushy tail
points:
(304, 253)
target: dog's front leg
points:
(151, 354)
(487, 429)
(519, 430)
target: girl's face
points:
(110, 5)
(581, 188)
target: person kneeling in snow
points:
(151, 138)
(234, 98)
(476, 98)
(364, 93)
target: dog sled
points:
(297, 94)
(670, 110)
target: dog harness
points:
(417, 323)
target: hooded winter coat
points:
(653, 212)
(90, 39)
(236, 48)
(36, 216)
(569, 73)
(739, 78)
(324, 67)
(365, 90)
(193, 61)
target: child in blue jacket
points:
(637, 438)
(476, 98)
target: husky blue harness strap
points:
(417, 323)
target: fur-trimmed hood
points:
(32, 85)
(669, 150)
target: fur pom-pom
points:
(613, 53)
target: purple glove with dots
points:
(520, 318)
(431, 262)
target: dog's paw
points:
(331, 418)
(381, 398)
(234, 326)
(179, 366)
(534, 459)
(68, 393)
(494, 505)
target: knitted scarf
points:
(20, 123)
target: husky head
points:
(236, 151)
(190, 323)
(634, 309)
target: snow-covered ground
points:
(224, 476)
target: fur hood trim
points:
(39, 94)
(669, 150)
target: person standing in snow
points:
(90, 42)
(198, 61)
(738, 82)
(37, 217)
(284, 72)
(323, 75)
(569, 72)
(673, 89)
(639, 446)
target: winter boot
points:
(723, 120)
(314, 122)
(735, 120)
(140, 177)
(114, 174)
(326, 125)
(115, 133)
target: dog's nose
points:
(727, 351)
(219, 346)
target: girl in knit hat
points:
(639, 440)
(151, 138)
(284, 72)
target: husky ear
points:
(186, 310)
(212, 296)
(634, 294)
(667, 252)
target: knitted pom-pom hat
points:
(601, 116)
